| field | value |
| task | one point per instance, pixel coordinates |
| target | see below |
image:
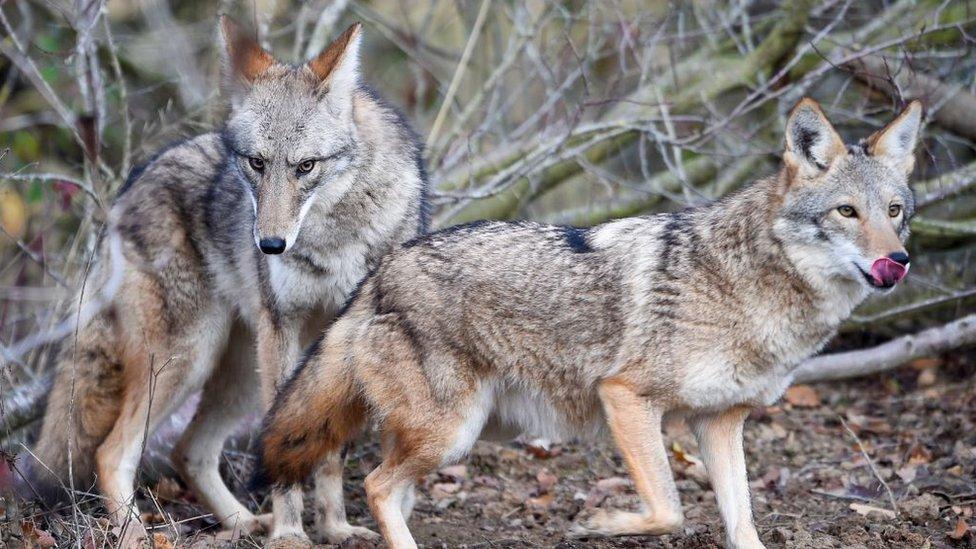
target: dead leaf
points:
(925, 363)
(13, 213)
(160, 541)
(540, 503)
(926, 378)
(546, 481)
(803, 396)
(907, 473)
(867, 510)
(960, 530)
(918, 455)
(542, 451)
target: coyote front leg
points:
(279, 347)
(636, 427)
(720, 439)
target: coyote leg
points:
(330, 516)
(387, 487)
(636, 428)
(720, 439)
(278, 352)
(118, 457)
(227, 396)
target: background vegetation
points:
(577, 111)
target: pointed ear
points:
(812, 144)
(337, 67)
(894, 144)
(242, 58)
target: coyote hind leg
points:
(330, 511)
(636, 428)
(161, 372)
(232, 390)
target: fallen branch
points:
(889, 355)
(955, 108)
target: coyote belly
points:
(703, 312)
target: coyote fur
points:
(248, 238)
(561, 331)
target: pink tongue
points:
(887, 272)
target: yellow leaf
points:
(13, 213)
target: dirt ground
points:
(816, 463)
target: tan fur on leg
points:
(636, 427)
(720, 439)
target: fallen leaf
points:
(13, 213)
(867, 510)
(918, 455)
(907, 473)
(540, 503)
(960, 530)
(160, 541)
(803, 396)
(925, 363)
(546, 481)
(926, 378)
(541, 450)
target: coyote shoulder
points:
(557, 330)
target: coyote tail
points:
(315, 413)
(86, 394)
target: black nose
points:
(272, 245)
(897, 257)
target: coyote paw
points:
(621, 523)
(289, 542)
(338, 533)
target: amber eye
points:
(257, 164)
(894, 210)
(847, 211)
(306, 167)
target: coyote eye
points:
(257, 164)
(847, 211)
(306, 167)
(894, 210)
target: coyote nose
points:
(899, 257)
(272, 245)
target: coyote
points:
(256, 233)
(557, 331)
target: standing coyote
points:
(557, 331)
(258, 232)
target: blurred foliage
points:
(573, 111)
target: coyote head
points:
(291, 133)
(846, 209)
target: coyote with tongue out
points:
(560, 331)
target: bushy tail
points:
(81, 409)
(318, 411)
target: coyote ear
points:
(894, 144)
(337, 67)
(812, 144)
(243, 60)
